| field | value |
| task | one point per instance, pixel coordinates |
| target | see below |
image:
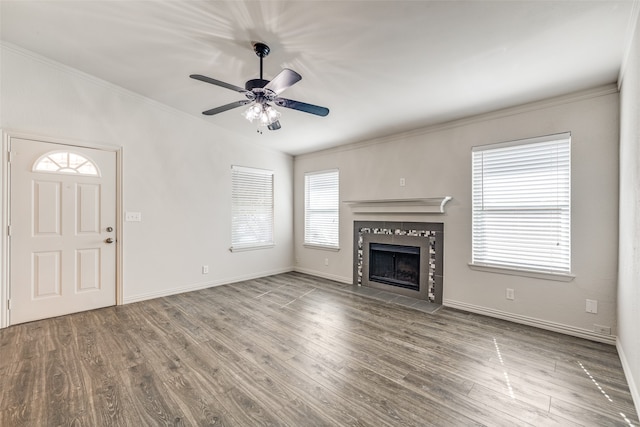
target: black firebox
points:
(395, 265)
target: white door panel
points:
(61, 218)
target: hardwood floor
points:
(296, 350)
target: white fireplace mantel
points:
(423, 205)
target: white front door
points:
(62, 220)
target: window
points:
(252, 208)
(522, 205)
(65, 162)
(321, 208)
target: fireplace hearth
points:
(405, 258)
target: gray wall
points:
(436, 161)
(177, 173)
(629, 266)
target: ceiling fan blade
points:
(302, 106)
(226, 107)
(217, 83)
(285, 79)
(274, 126)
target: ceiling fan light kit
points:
(262, 94)
(264, 113)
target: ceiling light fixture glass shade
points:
(264, 113)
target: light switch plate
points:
(133, 216)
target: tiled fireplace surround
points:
(426, 235)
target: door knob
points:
(109, 229)
(109, 240)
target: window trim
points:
(321, 247)
(315, 245)
(542, 273)
(558, 277)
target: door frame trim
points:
(7, 136)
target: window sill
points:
(558, 277)
(321, 247)
(250, 248)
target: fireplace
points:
(395, 265)
(405, 258)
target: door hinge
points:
(9, 304)
(10, 156)
(9, 230)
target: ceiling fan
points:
(262, 94)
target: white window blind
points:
(252, 208)
(522, 204)
(321, 208)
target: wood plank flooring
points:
(294, 350)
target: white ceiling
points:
(381, 67)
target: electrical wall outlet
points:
(326, 261)
(604, 330)
(592, 306)
(205, 269)
(510, 294)
(402, 182)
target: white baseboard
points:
(202, 285)
(324, 275)
(628, 373)
(531, 321)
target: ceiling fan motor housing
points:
(255, 84)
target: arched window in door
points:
(66, 162)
